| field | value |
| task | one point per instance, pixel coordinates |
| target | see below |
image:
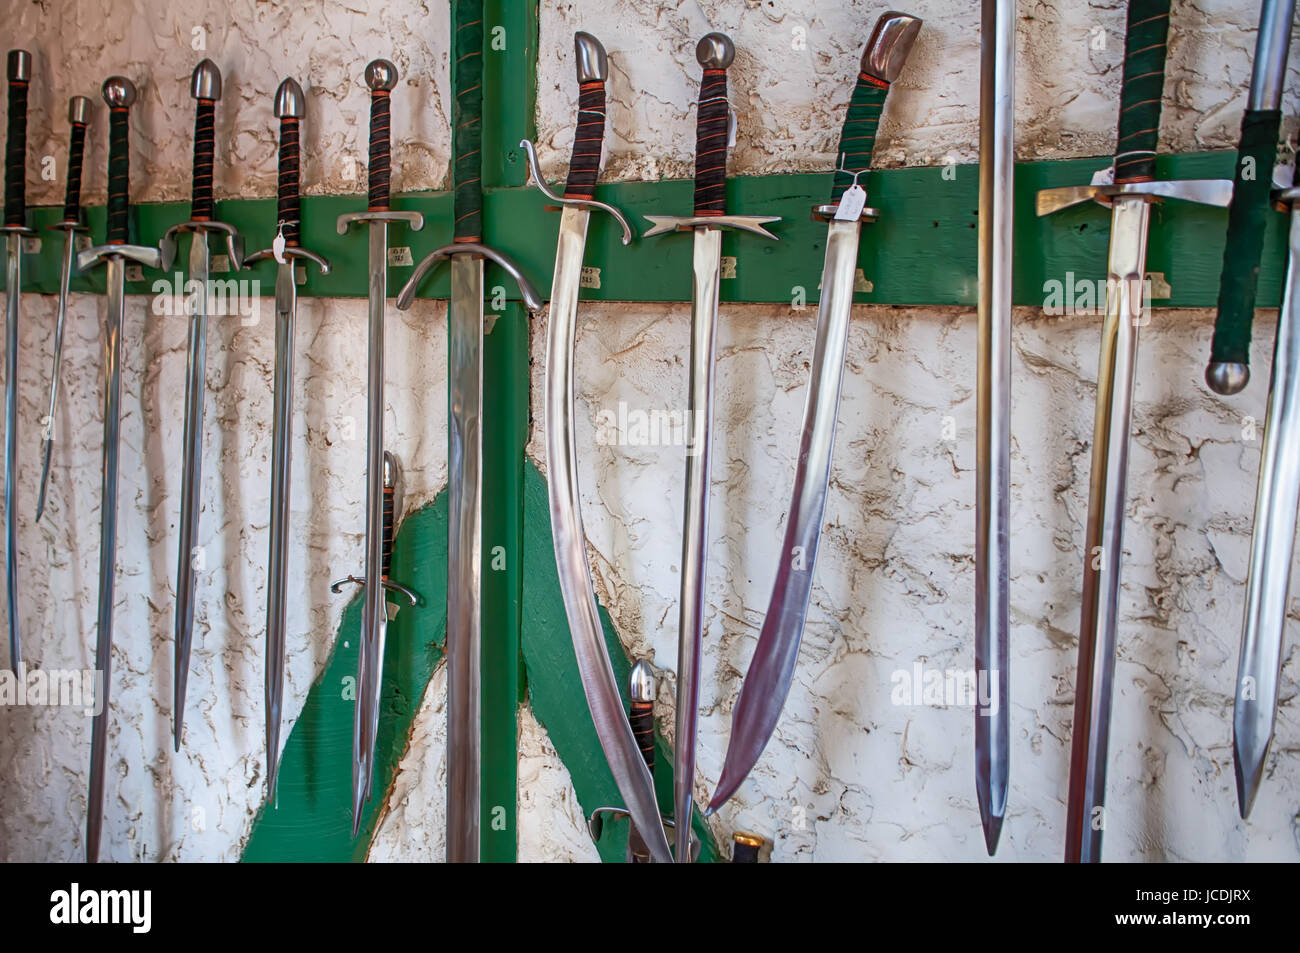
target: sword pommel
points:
(641, 684)
(891, 42)
(1227, 378)
(381, 75)
(205, 82)
(20, 66)
(715, 51)
(290, 103)
(589, 55)
(78, 110)
(119, 92)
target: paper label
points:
(852, 202)
(590, 277)
(399, 256)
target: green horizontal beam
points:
(922, 251)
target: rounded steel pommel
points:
(20, 66)
(289, 100)
(205, 83)
(593, 65)
(381, 75)
(119, 91)
(889, 45)
(1227, 378)
(715, 51)
(390, 469)
(78, 110)
(641, 684)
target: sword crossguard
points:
(68, 225)
(596, 825)
(285, 254)
(535, 168)
(146, 255)
(234, 241)
(19, 230)
(1216, 192)
(661, 224)
(414, 219)
(531, 299)
(388, 584)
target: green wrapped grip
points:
(858, 138)
(467, 118)
(1144, 84)
(1247, 216)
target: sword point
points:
(992, 832)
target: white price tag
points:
(852, 202)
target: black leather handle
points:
(76, 155)
(380, 149)
(204, 145)
(711, 145)
(119, 173)
(289, 205)
(16, 141)
(588, 138)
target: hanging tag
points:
(277, 245)
(852, 202)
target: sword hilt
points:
(715, 53)
(78, 115)
(430, 261)
(205, 88)
(119, 93)
(745, 847)
(1145, 47)
(391, 488)
(467, 119)
(589, 134)
(882, 60)
(641, 714)
(20, 75)
(289, 107)
(381, 77)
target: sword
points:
(993, 439)
(1229, 369)
(1278, 497)
(617, 741)
(641, 719)
(381, 77)
(1129, 197)
(713, 124)
(15, 230)
(465, 438)
(205, 87)
(78, 112)
(286, 249)
(767, 683)
(119, 93)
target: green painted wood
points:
(921, 252)
(510, 93)
(313, 818)
(555, 688)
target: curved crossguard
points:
(532, 300)
(535, 168)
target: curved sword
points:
(767, 683)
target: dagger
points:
(714, 53)
(381, 77)
(285, 250)
(767, 683)
(465, 438)
(14, 230)
(205, 88)
(119, 94)
(993, 440)
(78, 113)
(617, 741)
(1277, 499)
(1129, 197)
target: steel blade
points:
(594, 667)
(1094, 678)
(1271, 546)
(116, 274)
(191, 475)
(465, 457)
(286, 306)
(47, 441)
(13, 296)
(767, 683)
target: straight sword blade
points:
(14, 293)
(47, 441)
(767, 683)
(619, 745)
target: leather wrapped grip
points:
(204, 144)
(588, 138)
(642, 719)
(119, 173)
(16, 155)
(1144, 83)
(467, 118)
(858, 138)
(380, 149)
(386, 543)
(711, 145)
(288, 193)
(1247, 216)
(76, 155)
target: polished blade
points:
(1094, 678)
(47, 441)
(767, 683)
(191, 476)
(465, 457)
(594, 668)
(1271, 546)
(286, 306)
(116, 274)
(13, 284)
